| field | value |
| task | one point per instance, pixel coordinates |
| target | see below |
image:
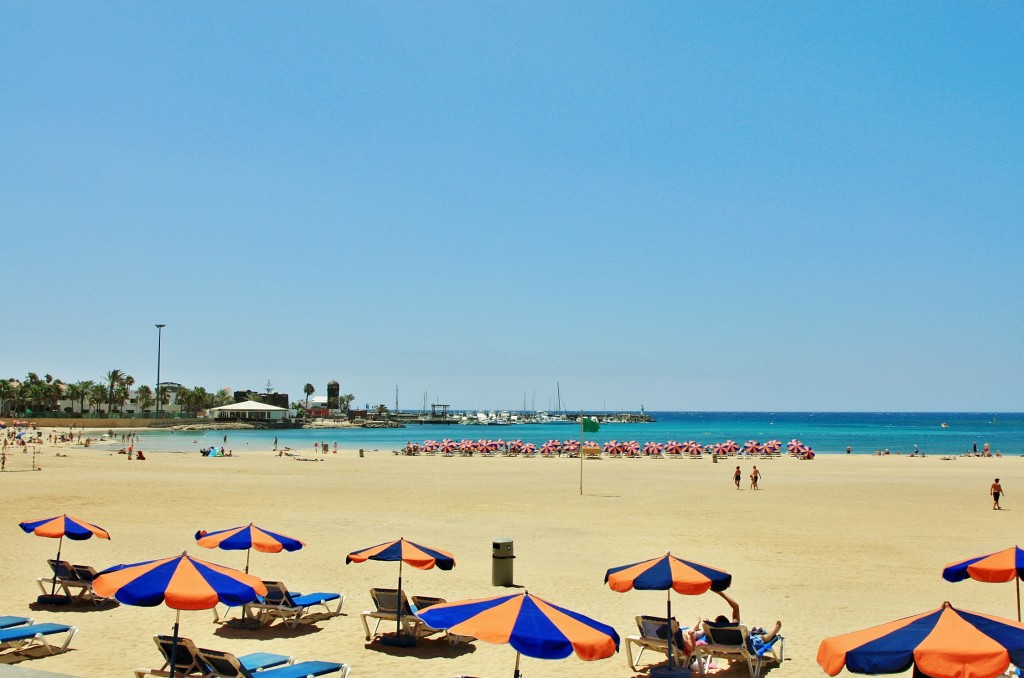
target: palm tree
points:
(145, 397)
(309, 390)
(7, 396)
(113, 378)
(96, 395)
(345, 401)
(84, 388)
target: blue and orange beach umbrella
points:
(531, 625)
(404, 551)
(668, 573)
(246, 538)
(62, 526)
(180, 582)
(1002, 566)
(942, 643)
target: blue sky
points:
(695, 206)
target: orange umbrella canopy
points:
(942, 643)
(181, 582)
(1002, 566)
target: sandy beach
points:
(827, 546)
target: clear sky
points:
(685, 205)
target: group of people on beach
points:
(755, 476)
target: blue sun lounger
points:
(190, 660)
(291, 607)
(34, 635)
(224, 665)
(8, 621)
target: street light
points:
(159, 336)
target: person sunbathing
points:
(758, 635)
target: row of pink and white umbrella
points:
(630, 448)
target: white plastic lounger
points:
(9, 621)
(34, 635)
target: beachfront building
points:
(249, 411)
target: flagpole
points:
(581, 452)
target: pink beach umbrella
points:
(633, 448)
(515, 445)
(611, 447)
(551, 447)
(492, 446)
(730, 447)
(653, 449)
(752, 447)
(692, 447)
(715, 448)
(466, 445)
(794, 445)
(529, 449)
(570, 445)
(448, 446)
(673, 447)
(773, 446)
(430, 445)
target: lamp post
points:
(159, 336)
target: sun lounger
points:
(387, 604)
(291, 607)
(9, 621)
(28, 636)
(190, 660)
(654, 636)
(74, 580)
(733, 643)
(229, 666)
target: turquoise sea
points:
(825, 432)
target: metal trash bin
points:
(714, 457)
(360, 452)
(502, 559)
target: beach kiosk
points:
(249, 410)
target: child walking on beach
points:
(755, 475)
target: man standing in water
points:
(996, 491)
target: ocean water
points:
(825, 432)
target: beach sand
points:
(827, 546)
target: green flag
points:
(590, 426)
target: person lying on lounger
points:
(758, 635)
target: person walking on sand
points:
(736, 477)
(996, 491)
(755, 475)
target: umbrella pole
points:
(53, 590)
(174, 646)
(517, 674)
(398, 617)
(668, 611)
(1017, 581)
(247, 552)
